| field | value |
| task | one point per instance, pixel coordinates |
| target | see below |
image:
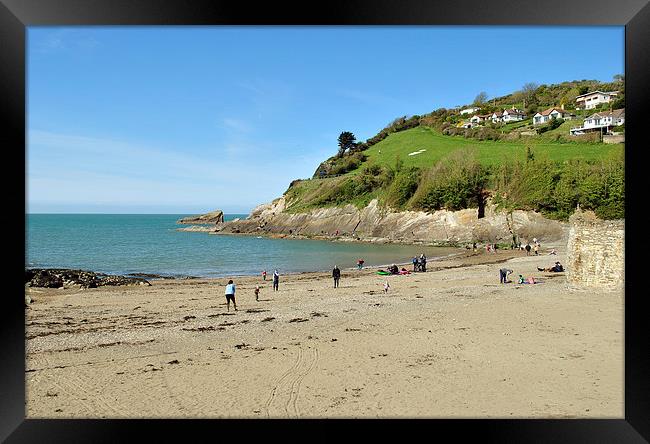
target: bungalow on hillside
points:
(469, 110)
(476, 119)
(602, 121)
(513, 115)
(595, 98)
(551, 113)
(497, 117)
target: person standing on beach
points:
(264, 274)
(257, 293)
(386, 286)
(527, 249)
(276, 280)
(336, 274)
(230, 294)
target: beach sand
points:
(449, 343)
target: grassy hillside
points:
(453, 172)
(488, 152)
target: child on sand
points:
(386, 287)
(257, 292)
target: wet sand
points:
(452, 342)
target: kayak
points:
(383, 273)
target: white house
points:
(551, 113)
(600, 121)
(469, 110)
(476, 119)
(513, 115)
(595, 98)
(497, 117)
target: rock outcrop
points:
(214, 217)
(63, 277)
(374, 223)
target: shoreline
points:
(153, 277)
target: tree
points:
(619, 78)
(528, 91)
(346, 141)
(480, 98)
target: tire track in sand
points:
(292, 403)
(287, 389)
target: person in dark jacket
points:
(336, 274)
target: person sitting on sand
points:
(230, 294)
(257, 292)
(530, 280)
(557, 268)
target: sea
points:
(136, 244)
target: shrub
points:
(456, 182)
(402, 187)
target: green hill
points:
(489, 152)
(428, 162)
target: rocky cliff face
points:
(374, 223)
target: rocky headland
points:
(214, 217)
(374, 223)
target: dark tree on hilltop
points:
(346, 141)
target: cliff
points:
(377, 224)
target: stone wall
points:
(614, 139)
(595, 252)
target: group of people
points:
(535, 248)
(505, 272)
(420, 263)
(231, 289)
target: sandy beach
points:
(449, 343)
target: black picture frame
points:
(16, 15)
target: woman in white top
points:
(230, 294)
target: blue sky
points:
(189, 119)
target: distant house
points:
(477, 119)
(497, 117)
(602, 121)
(512, 115)
(595, 98)
(551, 113)
(469, 110)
